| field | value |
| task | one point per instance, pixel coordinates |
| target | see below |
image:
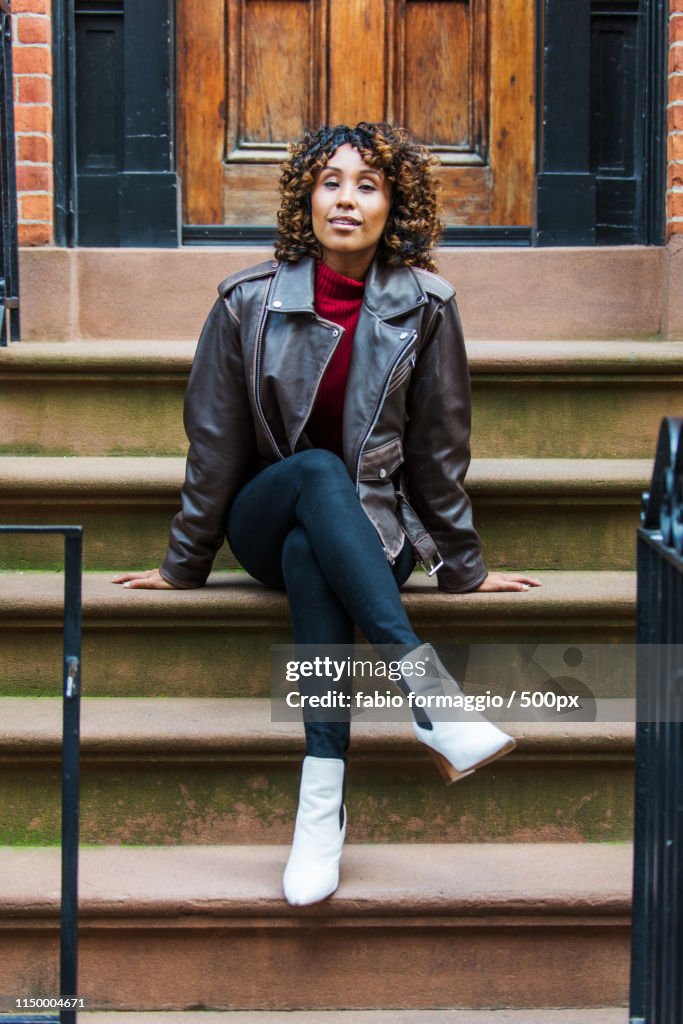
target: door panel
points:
(253, 73)
(360, 36)
(439, 79)
(272, 53)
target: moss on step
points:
(158, 799)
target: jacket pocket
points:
(379, 463)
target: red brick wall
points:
(674, 197)
(32, 62)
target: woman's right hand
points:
(150, 579)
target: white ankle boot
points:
(312, 871)
(459, 741)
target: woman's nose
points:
(345, 196)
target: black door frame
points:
(131, 192)
(595, 182)
(148, 188)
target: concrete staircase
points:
(491, 902)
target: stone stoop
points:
(531, 399)
(214, 771)
(215, 642)
(411, 926)
(488, 902)
(603, 1015)
(504, 294)
(573, 514)
(206, 771)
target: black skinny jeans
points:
(298, 526)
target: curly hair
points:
(413, 226)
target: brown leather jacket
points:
(259, 362)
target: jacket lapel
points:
(298, 346)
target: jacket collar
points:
(389, 291)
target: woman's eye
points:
(330, 183)
(367, 188)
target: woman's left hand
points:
(498, 581)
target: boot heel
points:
(448, 773)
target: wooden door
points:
(458, 73)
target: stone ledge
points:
(180, 726)
(497, 881)
(429, 925)
(236, 595)
(163, 359)
(130, 477)
(606, 1015)
(599, 292)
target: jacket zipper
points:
(378, 407)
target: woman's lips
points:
(344, 222)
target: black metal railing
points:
(657, 928)
(71, 717)
(9, 252)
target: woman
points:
(328, 413)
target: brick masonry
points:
(674, 183)
(33, 120)
(32, 61)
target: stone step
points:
(581, 399)
(503, 293)
(588, 399)
(104, 398)
(410, 927)
(215, 771)
(216, 641)
(603, 1015)
(567, 514)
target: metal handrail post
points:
(9, 247)
(71, 705)
(71, 717)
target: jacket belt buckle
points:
(430, 567)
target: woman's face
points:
(350, 205)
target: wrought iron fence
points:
(657, 928)
(9, 253)
(71, 717)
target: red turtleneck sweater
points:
(338, 299)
